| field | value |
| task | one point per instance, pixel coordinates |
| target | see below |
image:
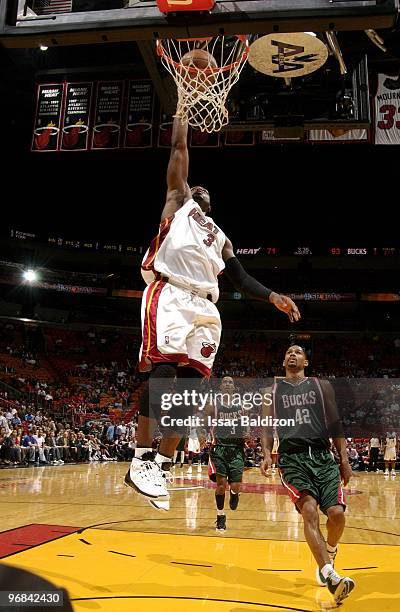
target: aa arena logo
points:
(288, 55)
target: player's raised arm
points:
(251, 288)
(178, 169)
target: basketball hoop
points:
(202, 91)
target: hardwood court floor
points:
(131, 557)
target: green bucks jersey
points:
(300, 407)
(228, 430)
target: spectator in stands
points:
(15, 421)
(73, 446)
(15, 448)
(8, 415)
(111, 433)
(94, 448)
(121, 428)
(29, 443)
(122, 449)
(54, 451)
(62, 445)
(353, 456)
(5, 447)
(40, 445)
(4, 423)
(82, 447)
(29, 417)
(38, 417)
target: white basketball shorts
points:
(193, 445)
(390, 454)
(178, 326)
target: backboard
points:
(21, 26)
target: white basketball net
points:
(202, 92)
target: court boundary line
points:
(204, 599)
(202, 535)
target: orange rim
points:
(161, 51)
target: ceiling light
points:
(30, 276)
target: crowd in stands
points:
(70, 395)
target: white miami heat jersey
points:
(387, 113)
(187, 250)
(391, 442)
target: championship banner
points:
(338, 135)
(75, 124)
(239, 138)
(387, 110)
(139, 119)
(164, 130)
(46, 132)
(108, 115)
(204, 139)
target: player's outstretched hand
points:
(284, 303)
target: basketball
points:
(200, 59)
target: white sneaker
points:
(199, 468)
(189, 470)
(146, 477)
(393, 474)
(340, 590)
(163, 503)
(160, 504)
(386, 473)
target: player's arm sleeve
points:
(243, 282)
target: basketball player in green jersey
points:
(307, 468)
(226, 463)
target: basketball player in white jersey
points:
(181, 325)
(390, 454)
